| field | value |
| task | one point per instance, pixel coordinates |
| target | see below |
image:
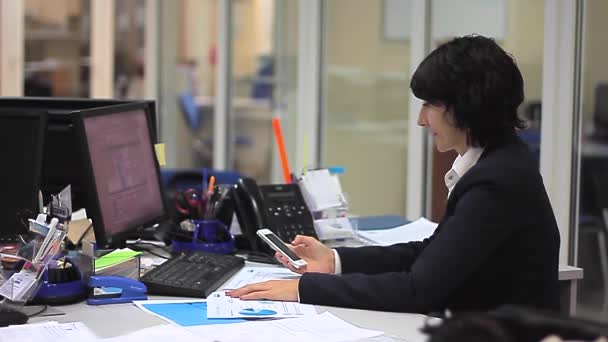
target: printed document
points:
(324, 327)
(250, 275)
(221, 306)
(164, 332)
(48, 331)
(413, 231)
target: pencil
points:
(276, 125)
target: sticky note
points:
(160, 154)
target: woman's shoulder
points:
(510, 164)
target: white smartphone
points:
(278, 245)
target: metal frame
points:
(418, 192)
(222, 149)
(557, 128)
(309, 96)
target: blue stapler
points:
(114, 290)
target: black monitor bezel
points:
(69, 104)
(91, 194)
(42, 122)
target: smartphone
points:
(278, 245)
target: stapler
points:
(114, 290)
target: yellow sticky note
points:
(160, 154)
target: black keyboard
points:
(192, 274)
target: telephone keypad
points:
(288, 214)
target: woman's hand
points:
(285, 290)
(318, 257)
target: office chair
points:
(531, 136)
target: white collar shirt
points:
(461, 165)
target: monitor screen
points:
(21, 139)
(124, 170)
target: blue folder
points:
(378, 222)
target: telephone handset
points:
(278, 207)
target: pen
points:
(211, 186)
(276, 125)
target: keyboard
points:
(192, 274)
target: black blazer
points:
(498, 243)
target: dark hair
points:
(479, 81)
(510, 323)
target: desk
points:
(568, 282)
(119, 319)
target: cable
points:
(255, 256)
(153, 253)
(38, 312)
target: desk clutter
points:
(214, 319)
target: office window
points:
(129, 27)
(518, 27)
(593, 187)
(366, 98)
(57, 48)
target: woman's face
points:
(445, 135)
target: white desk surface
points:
(119, 319)
(570, 272)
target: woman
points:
(498, 242)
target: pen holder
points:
(19, 285)
(209, 236)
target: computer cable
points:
(136, 246)
(44, 307)
(259, 257)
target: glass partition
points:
(366, 98)
(57, 48)
(129, 27)
(593, 203)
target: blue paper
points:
(188, 314)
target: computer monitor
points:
(21, 139)
(62, 105)
(61, 164)
(122, 178)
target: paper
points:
(160, 333)
(321, 190)
(250, 275)
(80, 230)
(333, 228)
(181, 312)
(415, 231)
(324, 327)
(48, 331)
(221, 306)
(17, 286)
(160, 154)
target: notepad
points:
(115, 257)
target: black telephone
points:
(278, 207)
